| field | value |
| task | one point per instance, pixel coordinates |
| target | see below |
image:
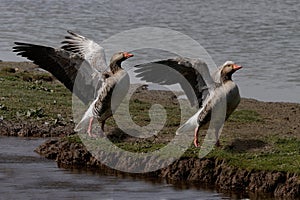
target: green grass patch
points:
(21, 99)
(140, 147)
(284, 155)
(139, 111)
(73, 139)
(245, 116)
(28, 96)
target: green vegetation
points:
(36, 96)
(73, 139)
(284, 155)
(245, 116)
(32, 96)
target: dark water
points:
(25, 175)
(264, 36)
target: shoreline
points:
(194, 171)
(261, 140)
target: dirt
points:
(31, 129)
(192, 171)
(278, 118)
(275, 119)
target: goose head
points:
(227, 69)
(120, 57)
(117, 59)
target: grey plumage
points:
(194, 79)
(81, 66)
(104, 105)
(78, 64)
(203, 90)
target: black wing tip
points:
(19, 47)
(73, 34)
(22, 44)
(19, 43)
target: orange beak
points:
(236, 67)
(127, 55)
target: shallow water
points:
(263, 36)
(26, 175)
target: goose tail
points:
(85, 119)
(189, 125)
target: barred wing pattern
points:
(80, 60)
(192, 70)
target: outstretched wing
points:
(78, 64)
(195, 79)
(66, 66)
(92, 52)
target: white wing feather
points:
(90, 50)
(86, 117)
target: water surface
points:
(263, 36)
(26, 175)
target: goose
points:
(203, 90)
(104, 106)
(81, 60)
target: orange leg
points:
(196, 143)
(89, 131)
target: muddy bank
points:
(265, 135)
(35, 129)
(209, 171)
